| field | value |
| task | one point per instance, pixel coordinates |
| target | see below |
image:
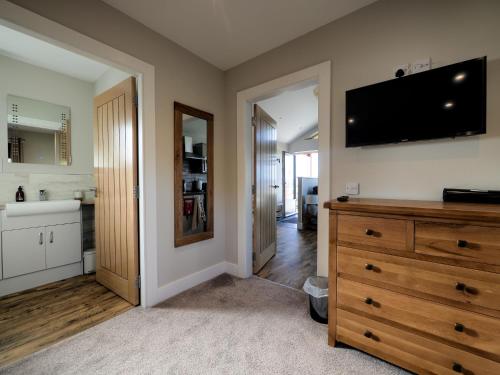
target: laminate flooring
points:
(38, 317)
(295, 258)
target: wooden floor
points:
(39, 317)
(295, 258)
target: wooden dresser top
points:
(447, 210)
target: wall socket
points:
(421, 65)
(352, 188)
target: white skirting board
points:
(32, 280)
(167, 291)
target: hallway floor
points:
(295, 258)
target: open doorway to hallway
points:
(287, 147)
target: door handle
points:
(40, 238)
(51, 238)
(275, 186)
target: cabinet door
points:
(23, 251)
(64, 244)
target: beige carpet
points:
(225, 326)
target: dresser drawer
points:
(417, 353)
(465, 242)
(464, 327)
(373, 231)
(472, 287)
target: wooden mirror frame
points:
(180, 238)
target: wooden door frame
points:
(321, 74)
(23, 20)
(283, 166)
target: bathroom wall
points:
(22, 79)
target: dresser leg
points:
(331, 337)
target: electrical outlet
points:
(352, 188)
(421, 65)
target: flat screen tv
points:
(439, 103)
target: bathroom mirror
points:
(193, 138)
(38, 132)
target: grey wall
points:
(364, 47)
(301, 144)
(179, 76)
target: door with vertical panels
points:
(116, 209)
(265, 159)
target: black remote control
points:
(343, 198)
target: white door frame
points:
(23, 20)
(322, 74)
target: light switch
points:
(352, 188)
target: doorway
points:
(285, 180)
(67, 296)
(321, 74)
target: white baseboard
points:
(232, 269)
(169, 290)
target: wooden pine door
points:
(265, 160)
(116, 209)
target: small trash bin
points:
(316, 288)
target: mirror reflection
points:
(194, 174)
(38, 132)
(193, 138)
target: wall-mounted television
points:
(445, 102)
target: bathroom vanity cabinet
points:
(38, 249)
(33, 249)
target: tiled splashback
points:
(58, 186)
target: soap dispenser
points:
(20, 194)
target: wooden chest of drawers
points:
(417, 283)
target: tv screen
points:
(439, 103)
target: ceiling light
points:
(459, 77)
(350, 120)
(449, 105)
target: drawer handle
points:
(459, 327)
(369, 232)
(457, 367)
(462, 243)
(369, 267)
(466, 289)
(368, 301)
(40, 238)
(368, 334)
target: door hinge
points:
(254, 189)
(136, 100)
(254, 121)
(136, 192)
(138, 282)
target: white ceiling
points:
(229, 32)
(28, 49)
(295, 112)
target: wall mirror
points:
(193, 138)
(38, 132)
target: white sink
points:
(42, 207)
